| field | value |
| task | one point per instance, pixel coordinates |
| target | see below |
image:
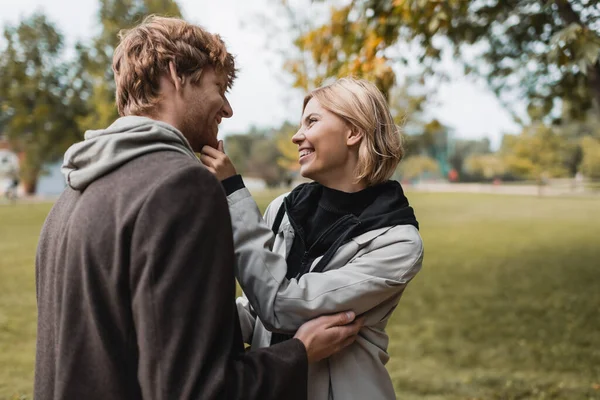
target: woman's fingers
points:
(207, 160)
(211, 151)
(217, 162)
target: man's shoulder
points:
(157, 172)
(166, 162)
(164, 165)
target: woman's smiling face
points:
(324, 153)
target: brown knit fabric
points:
(135, 292)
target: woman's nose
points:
(298, 137)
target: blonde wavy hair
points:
(362, 105)
(144, 53)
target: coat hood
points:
(102, 151)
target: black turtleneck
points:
(324, 219)
(333, 205)
(310, 242)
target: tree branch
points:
(569, 16)
(567, 13)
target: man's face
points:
(204, 106)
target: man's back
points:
(135, 295)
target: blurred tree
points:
(432, 140)
(263, 162)
(238, 148)
(535, 154)
(319, 56)
(339, 48)
(573, 131)
(414, 167)
(39, 100)
(96, 59)
(466, 148)
(407, 105)
(257, 154)
(288, 158)
(546, 51)
(590, 165)
(486, 166)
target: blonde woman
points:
(347, 241)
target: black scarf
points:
(386, 205)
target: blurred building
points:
(9, 169)
(3, 142)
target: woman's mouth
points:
(304, 154)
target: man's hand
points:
(217, 161)
(326, 335)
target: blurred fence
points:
(552, 187)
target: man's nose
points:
(227, 110)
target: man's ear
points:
(354, 137)
(177, 80)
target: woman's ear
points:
(354, 137)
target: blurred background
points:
(500, 104)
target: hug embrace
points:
(137, 260)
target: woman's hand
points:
(217, 162)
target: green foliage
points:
(590, 165)
(544, 151)
(505, 306)
(414, 167)
(536, 153)
(432, 141)
(463, 149)
(322, 55)
(487, 166)
(238, 148)
(288, 158)
(38, 102)
(258, 154)
(543, 51)
(262, 162)
(46, 103)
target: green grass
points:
(506, 306)
(19, 230)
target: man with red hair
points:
(135, 263)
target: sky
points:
(263, 95)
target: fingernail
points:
(349, 315)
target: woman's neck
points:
(343, 178)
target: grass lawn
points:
(507, 305)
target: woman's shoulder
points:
(395, 252)
(394, 237)
(276, 203)
(273, 208)
(406, 236)
(398, 249)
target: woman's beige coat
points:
(367, 275)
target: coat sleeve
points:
(283, 305)
(247, 318)
(182, 302)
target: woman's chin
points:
(305, 172)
